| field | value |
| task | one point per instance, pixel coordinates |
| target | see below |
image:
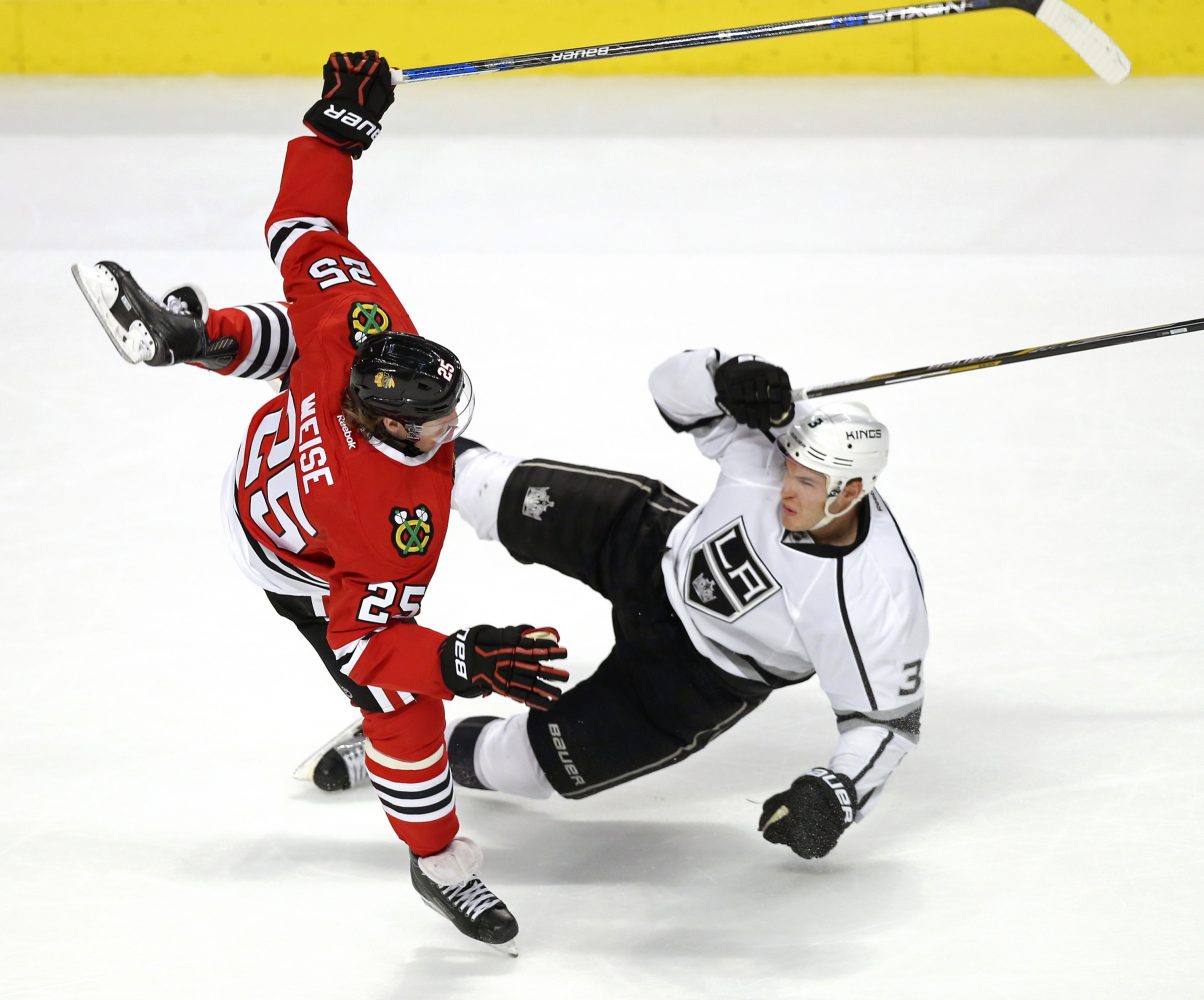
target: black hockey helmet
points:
(407, 377)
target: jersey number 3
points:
(912, 672)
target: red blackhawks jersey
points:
(314, 507)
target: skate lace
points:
(471, 897)
(353, 757)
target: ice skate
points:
(146, 331)
(338, 764)
(448, 884)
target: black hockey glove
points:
(508, 661)
(356, 92)
(811, 814)
(756, 393)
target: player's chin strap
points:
(399, 449)
(834, 495)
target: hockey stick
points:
(1003, 358)
(1083, 35)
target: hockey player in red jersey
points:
(338, 500)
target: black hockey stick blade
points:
(1003, 358)
(1083, 35)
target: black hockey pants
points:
(300, 611)
(654, 700)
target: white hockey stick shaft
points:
(1084, 36)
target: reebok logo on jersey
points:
(365, 319)
(350, 438)
(726, 578)
(412, 533)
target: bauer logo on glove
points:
(353, 121)
(357, 89)
(811, 814)
(507, 661)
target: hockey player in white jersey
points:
(794, 567)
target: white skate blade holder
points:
(305, 770)
(101, 291)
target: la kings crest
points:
(726, 579)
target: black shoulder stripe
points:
(275, 366)
(906, 548)
(281, 314)
(283, 234)
(848, 627)
(265, 341)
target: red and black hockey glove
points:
(356, 92)
(755, 392)
(507, 661)
(811, 814)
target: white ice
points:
(564, 235)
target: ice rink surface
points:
(564, 235)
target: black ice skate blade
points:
(509, 948)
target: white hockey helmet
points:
(843, 441)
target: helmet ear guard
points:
(843, 441)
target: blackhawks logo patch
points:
(412, 531)
(365, 319)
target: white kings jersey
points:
(773, 606)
